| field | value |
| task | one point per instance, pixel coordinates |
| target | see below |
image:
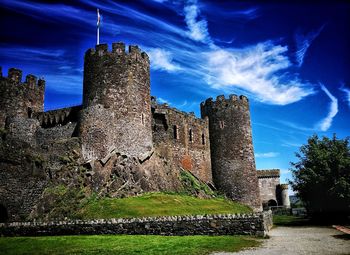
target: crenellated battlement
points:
(31, 81)
(58, 117)
(283, 186)
(221, 101)
(165, 108)
(20, 98)
(118, 50)
(268, 173)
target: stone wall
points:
(30, 156)
(251, 224)
(22, 178)
(182, 138)
(231, 147)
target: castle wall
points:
(231, 146)
(183, 139)
(116, 102)
(21, 188)
(30, 152)
(22, 176)
(268, 185)
(20, 99)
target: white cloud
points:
(256, 69)
(303, 43)
(266, 155)
(326, 123)
(162, 60)
(347, 93)
(198, 29)
(163, 101)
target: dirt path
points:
(301, 240)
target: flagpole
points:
(98, 35)
(98, 27)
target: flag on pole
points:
(98, 18)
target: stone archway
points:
(3, 214)
(271, 202)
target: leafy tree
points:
(321, 177)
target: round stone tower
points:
(284, 195)
(231, 147)
(116, 113)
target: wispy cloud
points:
(290, 144)
(303, 43)
(163, 101)
(266, 155)
(50, 12)
(23, 52)
(162, 60)
(242, 14)
(198, 28)
(256, 69)
(326, 123)
(296, 126)
(68, 84)
(347, 93)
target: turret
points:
(283, 188)
(231, 147)
(20, 99)
(116, 113)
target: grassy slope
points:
(157, 204)
(126, 245)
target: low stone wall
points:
(248, 224)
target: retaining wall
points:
(249, 224)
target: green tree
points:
(321, 177)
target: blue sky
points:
(290, 59)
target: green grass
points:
(289, 220)
(126, 245)
(157, 204)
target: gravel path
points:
(301, 240)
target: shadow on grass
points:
(291, 220)
(342, 236)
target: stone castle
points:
(120, 141)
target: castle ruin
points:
(120, 141)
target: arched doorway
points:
(272, 202)
(3, 213)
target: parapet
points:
(118, 49)
(221, 101)
(166, 109)
(283, 186)
(270, 173)
(58, 117)
(31, 81)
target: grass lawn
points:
(289, 220)
(126, 245)
(157, 204)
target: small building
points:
(272, 192)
